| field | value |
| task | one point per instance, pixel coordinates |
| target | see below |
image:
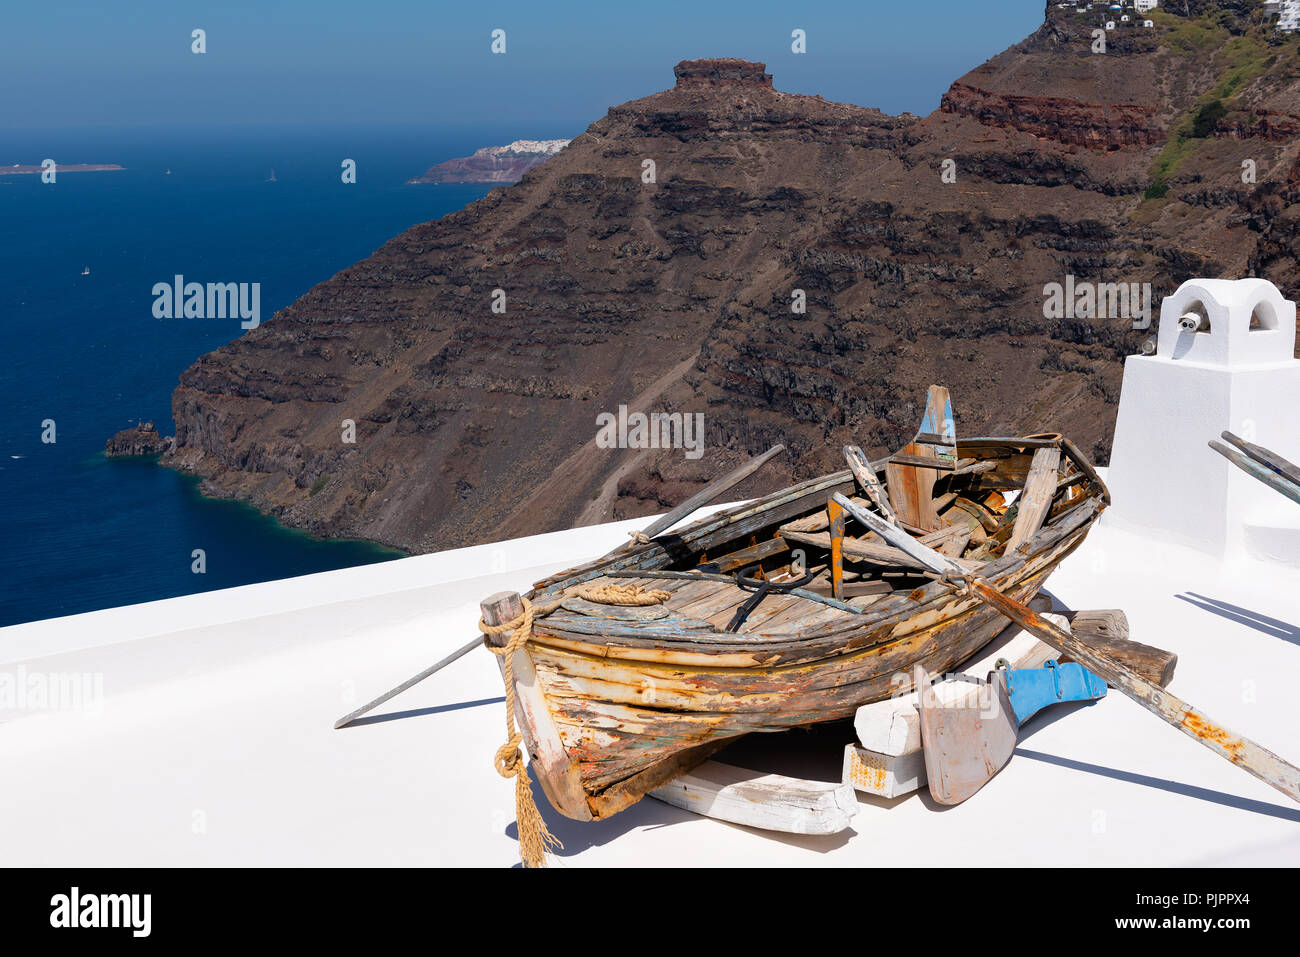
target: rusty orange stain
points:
(1208, 732)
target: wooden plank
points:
(618, 612)
(1036, 498)
(818, 521)
(1110, 623)
(768, 609)
(880, 554)
(867, 479)
(745, 557)
(724, 600)
(693, 591)
(911, 488)
(1084, 464)
(772, 802)
(920, 461)
(988, 521)
(800, 622)
(708, 576)
(836, 513)
(1106, 630)
(1256, 470)
(870, 586)
(1265, 457)
(915, 551)
(857, 549)
(952, 541)
(973, 467)
(630, 790)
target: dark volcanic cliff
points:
(674, 295)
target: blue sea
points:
(78, 531)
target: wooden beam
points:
(749, 555)
(866, 478)
(1266, 457)
(877, 552)
(911, 487)
(1106, 630)
(1263, 471)
(772, 802)
(1036, 498)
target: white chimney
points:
(1224, 359)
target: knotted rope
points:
(621, 594)
(535, 839)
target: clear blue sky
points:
(100, 63)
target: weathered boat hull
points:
(612, 709)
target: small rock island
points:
(140, 439)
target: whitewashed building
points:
(1143, 6)
(1288, 20)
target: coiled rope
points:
(535, 839)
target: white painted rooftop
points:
(213, 745)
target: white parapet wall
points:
(1224, 360)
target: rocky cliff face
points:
(653, 263)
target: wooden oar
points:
(1266, 457)
(1260, 463)
(704, 496)
(409, 683)
(1246, 754)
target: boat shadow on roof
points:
(1273, 627)
(1164, 784)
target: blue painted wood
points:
(1033, 689)
(938, 419)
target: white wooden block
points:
(884, 774)
(769, 801)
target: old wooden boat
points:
(614, 701)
